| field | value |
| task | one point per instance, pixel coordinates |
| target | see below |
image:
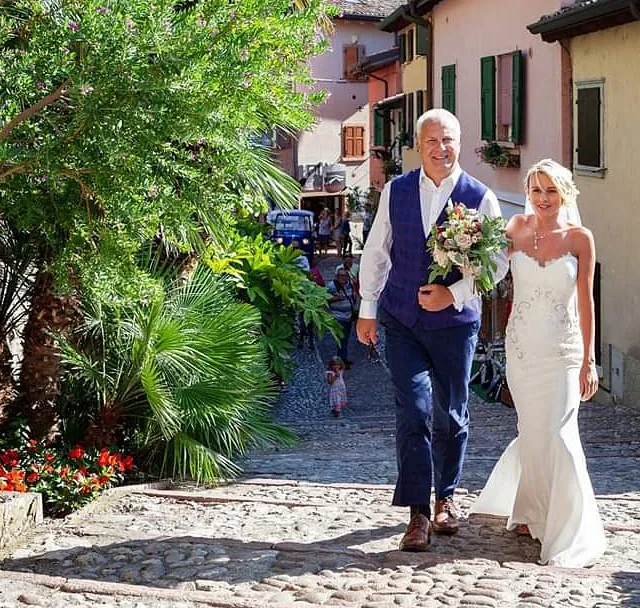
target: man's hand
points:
(434, 297)
(366, 330)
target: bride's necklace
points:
(537, 236)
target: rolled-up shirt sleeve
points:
(375, 262)
(462, 290)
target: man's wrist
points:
(368, 309)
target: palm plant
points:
(184, 377)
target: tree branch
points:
(7, 171)
(33, 110)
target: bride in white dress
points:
(541, 482)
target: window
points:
(352, 141)
(352, 55)
(402, 47)
(502, 97)
(379, 121)
(589, 119)
(409, 118)
(449, 88)
(419, 103)
(409, 49)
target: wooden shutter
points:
(488, 98)
(423, 40)
(352, 141)
(517, 99)
(419, 103)
(378, 128)
(352, 54)
(402, 48)
(589, 127)
(449, 88)
(409, 50)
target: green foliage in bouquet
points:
(468, 241)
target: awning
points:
(388, 103)
(319, 193)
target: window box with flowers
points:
(496, 155)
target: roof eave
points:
(583, 20)
(401, 17)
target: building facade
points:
(603, 37)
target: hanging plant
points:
(496, 155)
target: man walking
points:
(431, 329)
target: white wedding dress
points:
(541, 480)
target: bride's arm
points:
(586, 253)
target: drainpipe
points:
(383, 80)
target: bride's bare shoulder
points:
(581, 239)
(516, 223)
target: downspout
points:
(386, 83)
(430, 68)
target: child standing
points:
(337, 387)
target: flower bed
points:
(67, 479)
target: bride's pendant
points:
(536, 237)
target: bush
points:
(267, 276)
(183, 378)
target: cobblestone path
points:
(312, 525)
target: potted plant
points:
(496, 155)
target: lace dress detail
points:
(541, 479)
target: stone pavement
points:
(312, 525)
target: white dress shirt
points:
(375, 263)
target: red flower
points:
(64, 472)
(76, 453)
(33, 477)
(10, 457)
(49, 457)
(128, 463)
(104, 460)
(48, 468)
(82, 471)
(32, 445)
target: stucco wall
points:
(609, 205)
(466, 30)
(414, 78)
(347, 101)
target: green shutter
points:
(409, 119)
(409, 45)
(401, 48)
(419, 103)
(423, 40)
(488, 98)
(378, 128)
(517, 99)
(449, 88)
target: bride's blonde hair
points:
(559, 175)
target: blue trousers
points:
(430, 371)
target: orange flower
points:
(64, 472)
(49, 457)
(104, 480)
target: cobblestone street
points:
(312, 525)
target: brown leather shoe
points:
(445, 520)
(418, 534)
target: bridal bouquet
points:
(467, 240)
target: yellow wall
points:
(414, 78)
(610, 206)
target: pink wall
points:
(465, 31)
(347, 101)
(393, 75)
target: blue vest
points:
(410, 258)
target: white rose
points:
(463, 240)
(440, 256)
